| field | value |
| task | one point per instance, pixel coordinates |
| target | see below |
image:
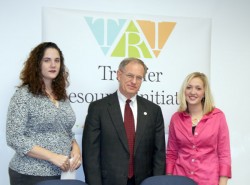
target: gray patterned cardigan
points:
(35, 120)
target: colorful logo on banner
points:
(130, 38)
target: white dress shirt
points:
(133, 104)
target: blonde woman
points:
(198, 143)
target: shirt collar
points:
(122, 98)
(206, 116)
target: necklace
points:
(195, 121)
(196, 116)
(51, 97)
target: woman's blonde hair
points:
(207, 101)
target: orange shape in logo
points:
(156, 33)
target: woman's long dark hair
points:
(31, 74)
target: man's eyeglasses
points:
(132, 76)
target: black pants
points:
(21, 179)
(131, 181)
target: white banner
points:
(94, 43)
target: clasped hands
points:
(66, 163)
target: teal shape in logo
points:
(105, 30)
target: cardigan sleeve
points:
(17, 118)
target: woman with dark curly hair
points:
(40, 120)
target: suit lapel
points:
(116, 116)
(142, 117)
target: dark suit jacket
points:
(105, 148)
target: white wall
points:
(21, 30)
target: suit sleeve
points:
(91, 147)
(159, 152)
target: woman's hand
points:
(223, 180)
(61, 161)
(76, 158)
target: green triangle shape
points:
(131, 44)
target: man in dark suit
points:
(108, 158)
